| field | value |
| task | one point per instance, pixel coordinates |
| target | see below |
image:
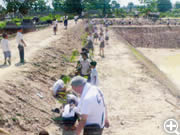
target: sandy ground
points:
(167, 61)
(136, 101)
(35, 41)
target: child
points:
(85, 65)
(101, 52)
(58, 87)
(107, 35)
(43, 132)
(95, 33)
(94, 74)
(6, 49)
(55, 24)
(70, 115)
(66, 22)
(89, 45)
(21, 44)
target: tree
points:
(58, 5)
(73, 6)
(164, 5)
(115, 5)
(130, 6)
(39, 5)
(177, 5)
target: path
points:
(136, 101)
(35, 41)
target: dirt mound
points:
(151, 36)
(22, 110)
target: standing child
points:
(107, 36)
(55, 26)
(89, 45)
(102, 45)
(66, 22)
(94, 74)
(21, 44)
(6, 49)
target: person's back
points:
(5, 45)
(93, 98)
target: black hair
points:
(4, 35)
(93, 63)
(43, 133)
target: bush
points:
(2, 24)
(45, 18)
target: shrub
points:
(2, 24)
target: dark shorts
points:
(95, 35)
(102, 45)
(93, 129)
(90, 45)
(107, 38)
(7, 54)
(55, 28)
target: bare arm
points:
(23, 42)
(81, 124)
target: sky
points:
(122, 2)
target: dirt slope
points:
(22, 111)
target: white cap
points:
(58, 86)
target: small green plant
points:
(84, 39)
(66, 79)
(15, 119)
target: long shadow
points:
(4, 66)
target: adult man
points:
(21, 44)
(92, 108)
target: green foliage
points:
(2, 24)
(66, 79)
(84, 39)
(177, 5)
(73, 6)
(75, 53)
(164, 5)
(58, 5)
(45, 18)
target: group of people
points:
(6, 47)
(85, 110)
(93, 36)
(55, 24)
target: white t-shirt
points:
(107, 34)
(59, 84)
(69, 111)
(101, 39)
(55, 23)
(85, 66)
(94, 77)
(92, 104)
(19, 37)
(5, 45)
(90, 38)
